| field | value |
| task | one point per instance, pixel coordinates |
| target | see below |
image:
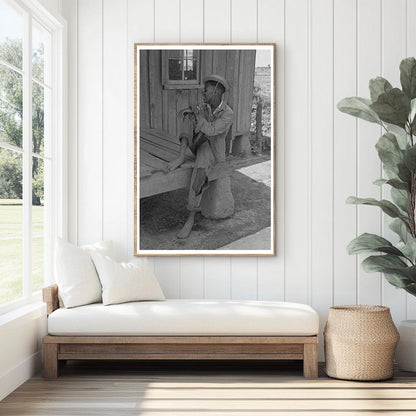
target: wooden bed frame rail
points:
(58, 349)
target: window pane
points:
(38, 230)
(11, 226)
(191, 53)
(38, 118)
(190, 69)
(175, 69)
(11, 106)
(41, 46)
(11, 34)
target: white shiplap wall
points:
(326, 50)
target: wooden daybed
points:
(58, 348)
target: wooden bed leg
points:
(50, 360)
(310, 360)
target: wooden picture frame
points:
(226, 180)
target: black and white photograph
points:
(204, 149)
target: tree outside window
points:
(23, 152)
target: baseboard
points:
(10, 380)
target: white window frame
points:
(58, 211)
(180, 83)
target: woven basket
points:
(360, 342)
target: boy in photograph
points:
(210, 190)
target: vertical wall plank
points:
(167, 25)
(393, 51)
(217, 28)
(90, 128)
(345, 151)
(70, 12)
(140, 30)
(244, 21)
(296, 152)
(271, 270)
(411, 51)
(217, 274)
(321, 166)
(244, 278)
(192, 21)
(114, 124)
(191, 30)
(167, 271)
(411, 28)
(192, 277)
(167, 29)
(369, 168)
(244, 29)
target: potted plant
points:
(394, 109)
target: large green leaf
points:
(408, 249)
(392, 107)
(397, 280)
(359, 107)
(401, 137)
(404, 173)
(410, 158)
(394, 269)
(395, 183)
(406, 273)
(412, 116)
(381, 263)
(380, 182)
(412, 111)
(400, 228)
(378, 86)
(391, 174)
(408, 77)
(410, 272)
(411, 289)
(398, 184)
(400, 198)
(389, 151)
(388, 207)
(366, 243)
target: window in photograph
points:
(181, 68)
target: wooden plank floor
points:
(221, 389)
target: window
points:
(30, 148)
(181, 68)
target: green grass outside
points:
(11, 249)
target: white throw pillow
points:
(126, 282)
(75, 273)
(103, 247)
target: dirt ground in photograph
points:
(162, 216)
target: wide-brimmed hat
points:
(219, 79)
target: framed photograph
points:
(205, 152)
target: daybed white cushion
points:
(75, 272)
(187, 317)
(126, 282)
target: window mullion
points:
(183, 64)
(27, 157)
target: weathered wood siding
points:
(159, 107)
